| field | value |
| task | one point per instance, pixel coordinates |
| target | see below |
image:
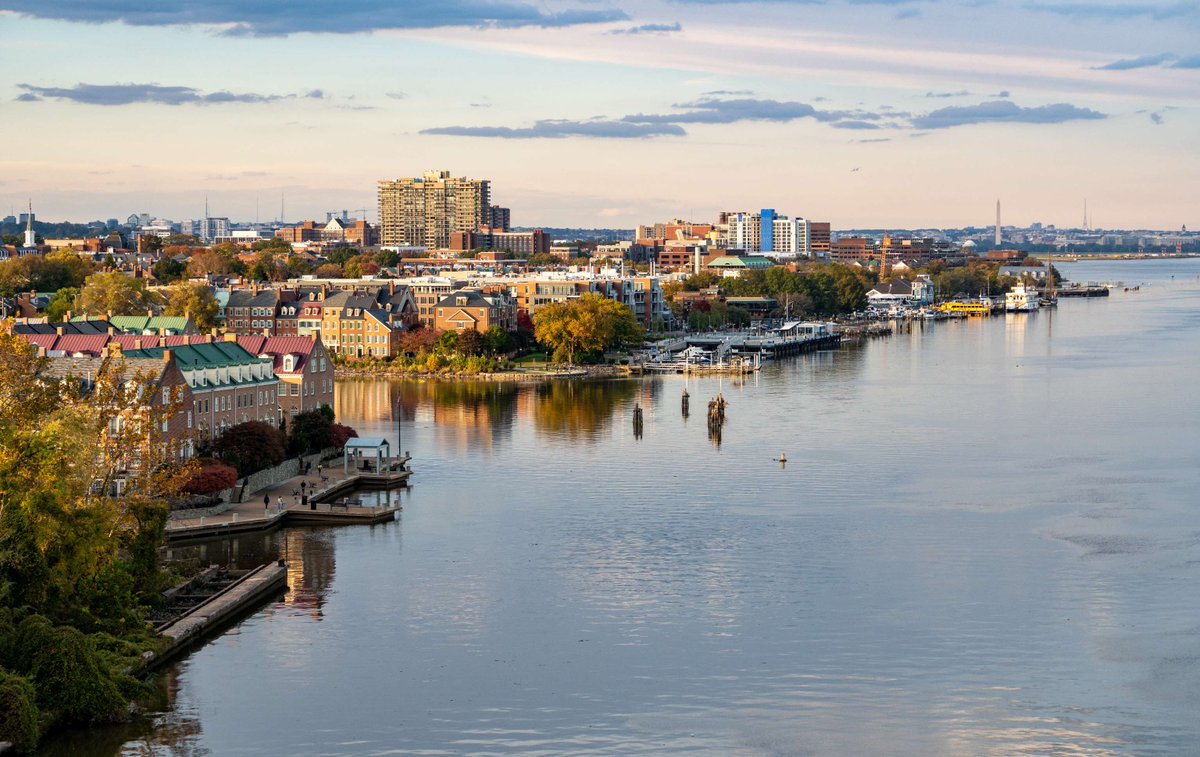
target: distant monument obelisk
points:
(997, 223)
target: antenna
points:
(1085, 221)
(206, 205)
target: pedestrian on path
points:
(266, 502)
(280, 499)
(302, 485)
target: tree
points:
(196, 300)
(150, 244)
(470, 343)
(329, 271)
(60, 304)
(589, 324)
(497, 341)
(250, 446)
(310, 432)
(339, 435)
(115, 293)
(168, 270)
(58, 270)
(206, 262)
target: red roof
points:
(277, 347)
(88, 344)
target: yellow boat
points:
(965, 308)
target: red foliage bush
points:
(339, 435)
(212, 476)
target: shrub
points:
(339, 435)
(18, 711)
(210, 477)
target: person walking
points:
(266, 502)
(280, 504)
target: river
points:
(986, 540)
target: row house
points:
(469, 309)
(302, 366)
(228, 384)
(174, 430)
(643, 295)
(367, 324)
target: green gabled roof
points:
(137, 324)
(205, 355)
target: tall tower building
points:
(423, 212)
(997, 223)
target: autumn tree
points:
(168, 270)
(115, 293)
(196, 300)
(60, 304)
(587, 325)
(250, 446)
(206, 262)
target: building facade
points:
(424, 211)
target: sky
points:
(608, 113)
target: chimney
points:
(212, 334)
(109, 315)
(168, 357)
(137, 344)
(111, 331)
(231, 338)
(391, 287)
(315, 336)
(267, 332)
(41, 351)
(59, 330)
(67, 317)
(149, 313)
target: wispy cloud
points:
(1089, 9)
(281, 17)
(1190, 61)
(127, 94)
(396, 95)
(650, 29)
(1156, 119)
(715, 112)
(560, 128)
(959, 93)
(1142, 61)
(1003, 111)
(728, 93)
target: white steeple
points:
(30, 237)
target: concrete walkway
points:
(251, 515)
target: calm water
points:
(986, 540)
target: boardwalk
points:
(328, 497)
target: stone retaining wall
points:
(264, 479)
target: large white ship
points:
(1022, 299)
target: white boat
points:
(1022, 299)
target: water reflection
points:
(581, 410)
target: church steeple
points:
(30, 237)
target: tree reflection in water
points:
(579, 409)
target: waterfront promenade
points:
(331, 500)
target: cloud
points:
(559, 128)
(728, 93)
(650, 29)
(127, 94)
(1003, 111)
(959, 93)
(282, 17)
(872, 141)
(1001, 93)
(715, 111)
(1117, 11)
(1143, 61)
(396, 95)
(1190, 61)
(851, 124)
(1156, 118)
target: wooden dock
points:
(221, 609)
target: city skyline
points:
(608, 114)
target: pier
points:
(329, 502)
(738, 351)
(220, 609)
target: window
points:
(189, 419)
(295, 390)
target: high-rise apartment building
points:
(767, 233)
(423, 212)
(501, 219)
(212, 229)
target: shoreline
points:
(342, 372)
